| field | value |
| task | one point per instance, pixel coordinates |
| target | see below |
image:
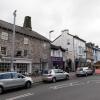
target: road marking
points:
(97, 82)
(20, 96)
(67, 85)
(53, 87)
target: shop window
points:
(4, 67)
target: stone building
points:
(32, 50)
(89, 53)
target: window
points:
(26, 40)
(68, 42)
(14, 75)
(5, 76)
(3, 50)
(44, 45)
(4, 67)
(19, 53)
(60, 71)
(25, 52)
(4, 36)
(80, 50)
(20, 76)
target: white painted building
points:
(79, 51)
(65, 40)
(74, 45)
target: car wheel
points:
(54, 80)
(67, 77)
(1, 90)
(28, 85)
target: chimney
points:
(27, 22)
(65, 31)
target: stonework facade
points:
(31, 51)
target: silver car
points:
(84, 71)
(54, 75)
(10, 80)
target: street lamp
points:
(13, 41)
(50, 34)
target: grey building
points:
(32, 50)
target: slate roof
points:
(22, 30)
(57, 47)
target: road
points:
(82, 88)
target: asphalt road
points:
(82, 88)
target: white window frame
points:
(26, 40)
(4, 36)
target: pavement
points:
(38, 79)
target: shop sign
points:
(56, 58)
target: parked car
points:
(84, 71)
(10, 80)
(54, 75)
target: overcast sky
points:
(81, 17)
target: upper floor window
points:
(3, 50)
(68, 42)
(4, 36)
(44, 45)
(26, 40)
(25, 52)
(18, 53)
(80, 50)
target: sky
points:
(81, 17)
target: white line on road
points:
(20, 96)
(66, 85)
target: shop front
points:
(21, 65)
(57, 62)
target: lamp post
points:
(13, 42)
(50, 34)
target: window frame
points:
(4, 36)
(4, 52)
(26, 40)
